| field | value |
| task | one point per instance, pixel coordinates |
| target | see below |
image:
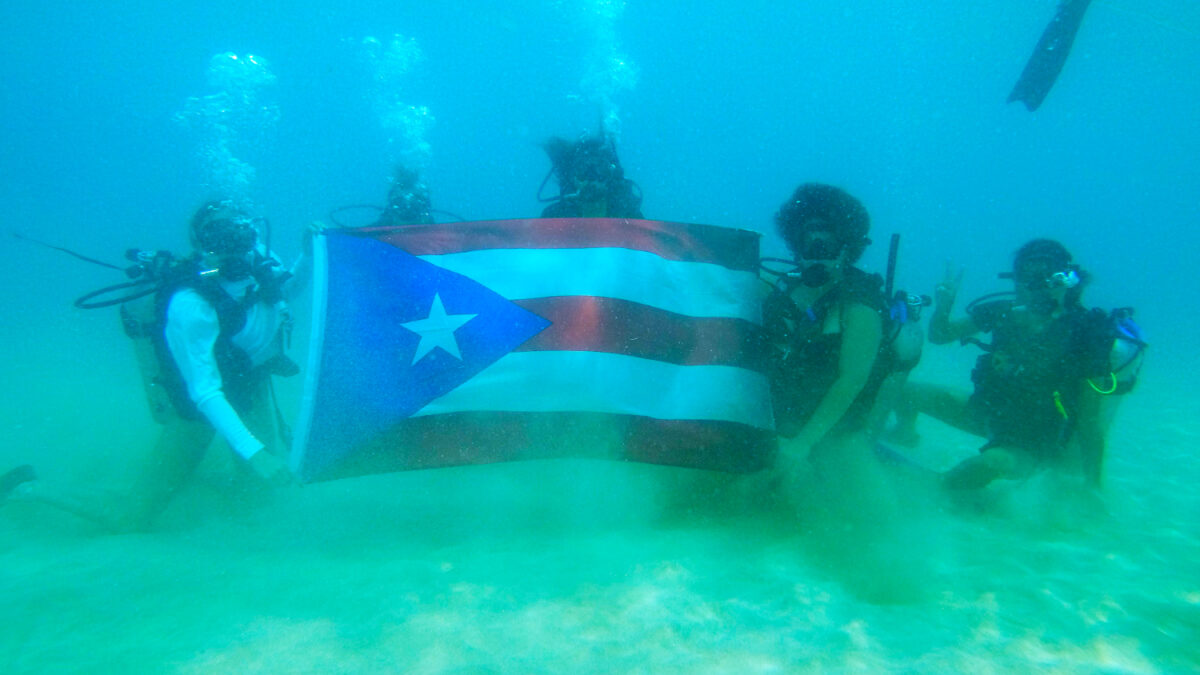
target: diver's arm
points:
(302, 268)
(862, 332)
(941, 328)
(191, 332)
(301, 272)
(1090, 428)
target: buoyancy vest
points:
(803, 362)
(232, 362)
(145, 320)
(1028, 384)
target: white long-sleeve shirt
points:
(191, 334)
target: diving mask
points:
(819, 254)
(1040, 280)
(1067, 279)
(233, 236)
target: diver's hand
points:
(271, 468)
(313, 229)
(946, 291)
(791, 461)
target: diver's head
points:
(825, 228)
(408, 200)
(1044, 276)
(225, 235)
(585, 169)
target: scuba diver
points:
(1052, 373)
(408, 203)
(832, 345)
(824, 322)
(591, 183)
(408, 200)
(209, 331)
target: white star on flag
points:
(437, 330)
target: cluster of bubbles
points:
(407, 126)
(234, 121)
(606, 71)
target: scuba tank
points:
(141, 317)
(150, 273)
(1127, 353)
(140, 320)
(903, 336)
(154, 275)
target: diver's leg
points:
(90, 510)
(941, 403)
(174, 458)
(991, 464)
(890, 391)
(906, 349)
(907, 405)
(179, 448)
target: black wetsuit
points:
(1027, 387)
(804, 363)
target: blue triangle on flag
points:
(368, 380)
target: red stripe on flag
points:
(734, 249)
(483, 438)
(594, 324)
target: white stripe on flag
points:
(612, 383)
(693, 289)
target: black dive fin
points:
(1050, 54)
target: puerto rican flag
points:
(478, 342)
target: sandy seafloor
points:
(586, 566)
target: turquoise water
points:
(118, 125)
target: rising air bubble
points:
(233, 122)
(405, 125)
